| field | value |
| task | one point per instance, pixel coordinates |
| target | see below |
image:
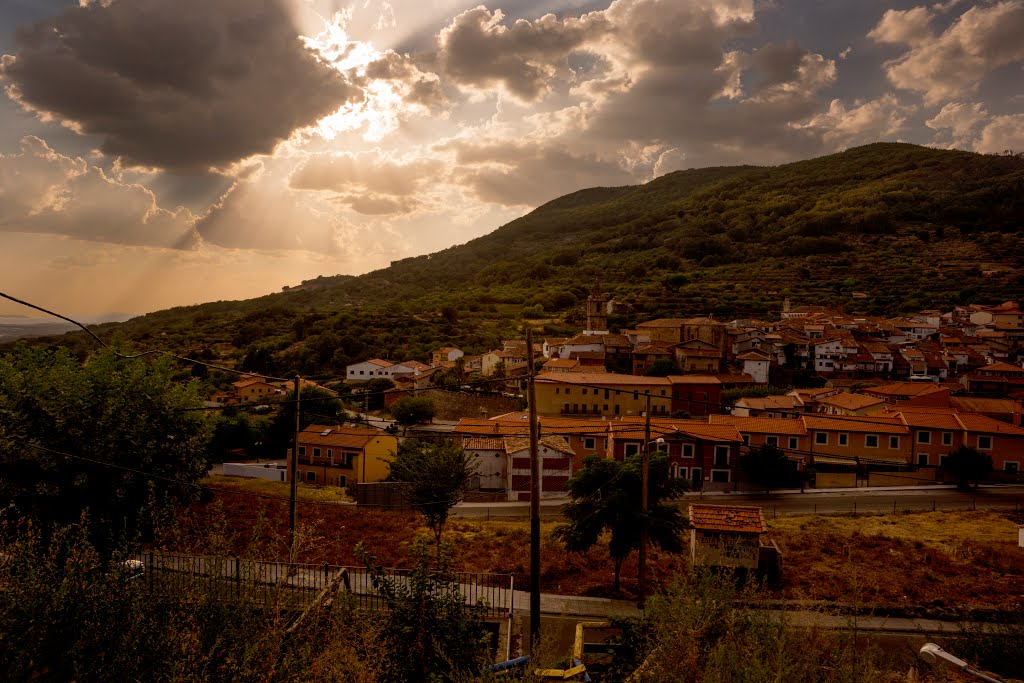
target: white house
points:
(488, 453)
(756, 364)
(370, 369)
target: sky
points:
(156, 153)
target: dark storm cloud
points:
(181, 85)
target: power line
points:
(124, 356)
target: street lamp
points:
(932, 653)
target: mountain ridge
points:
(905, 227)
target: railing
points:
(293, 585)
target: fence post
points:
(933, 505)
(854, 508)
(150, 572)
(974, 503)
(815, 508)
(894, 506)
(238, 577)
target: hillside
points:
(909, 227)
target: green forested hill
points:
(911, 227)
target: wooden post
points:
(645, 468)
(535, 488)
(293, 484)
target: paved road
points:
(832, 501)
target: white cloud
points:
(946, 66)
(1001, 134)
(43, 191)
(865, 121)
(960, 119)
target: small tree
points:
(427, 620)
(605, 496)
(766, 465)
(968, 466)
(411, 410)
(434, 478)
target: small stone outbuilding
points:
(731, 536)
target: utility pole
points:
(645, 468)
(535, 474)
(294, 483)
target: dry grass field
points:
(932, 560)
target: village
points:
(850, 401)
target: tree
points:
(434, 634)
(113, 439)
(605, 496)
(968, 466)
(317, 406)
(410, 410)
(767, 465)
(375, 389)
(662, 367)
(434, 478)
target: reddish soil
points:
(819, 564)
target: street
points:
(831, 501)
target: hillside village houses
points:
(899, 394)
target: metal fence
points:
(295, 585)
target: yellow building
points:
(604, 394)
(344, 456)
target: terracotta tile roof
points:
(770, 402)
(381, 363)
(484, 444)
(986, 425)
(735, 518)
(851, 401)
(556, 443)
(339, 437)
(905, 389)
(754, 354)
(602, 379)
(694, 379)
(633, 427)
(930, 419)
(973, 404)
(562, 363)
(1007, 368)
(663, 322)
(761, 425)
(838, 423)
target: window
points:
(310, 476)
(720, 476)
(589, 443)
(821, 438)
(557, 390)
(794, 443)
(721, 456)
(584, 391)
(844, 439)
(984, 442)
(894, 442)
(922, 459)
(316, 452)
(342, 480)
(617, 409)
(566, 410)
(924, 437)
(568, 391)
(1011, 466)
(576, 407)
(771, 440)
(947, 438)
(302, 450)
(871, 440)
(360, 372)
(746, 439)
(604, 408)
(631, 449)
(687, 450)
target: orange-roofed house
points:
(850, 404)
(726, 535)
(704, 454)
(911, 393)
(601, 394)
(254, 390)
(555, 466)
(344, 456)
